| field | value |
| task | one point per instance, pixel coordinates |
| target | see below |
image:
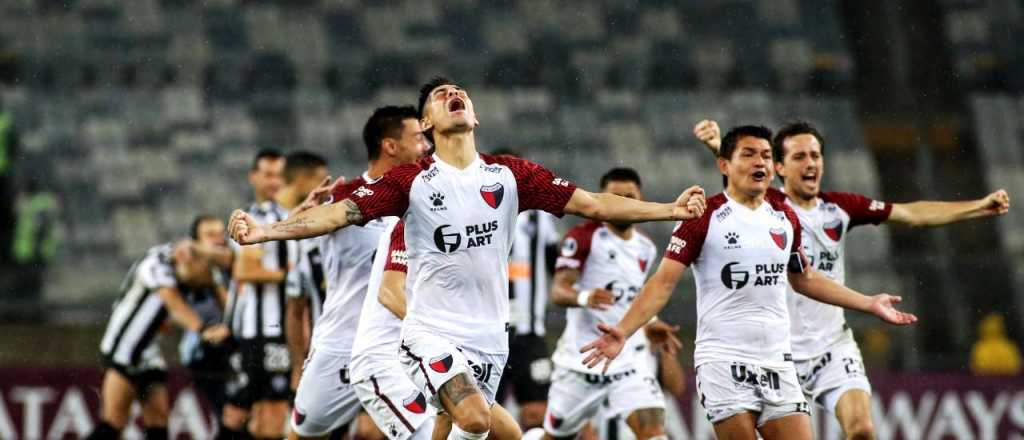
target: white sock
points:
(458, 434)
(534, 434)
(659, 437)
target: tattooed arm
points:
(458, 389)
(313, 222)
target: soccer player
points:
(325, 400)
(259, 391)
(598, 275)
(459, 208)
(531, 264)
(745, 251)
(135, 368)
(828, 361)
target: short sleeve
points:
(397, 257)
(576, 247)
(862, 210)
(687, 240)
(157, 271)
(797, 261)
(387, 196)
(539, 188)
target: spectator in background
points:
(34, 241)
(8, 148)
(994, 354)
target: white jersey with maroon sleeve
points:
(739, 258)
(347, 256)
(379, 332)
(459, 225)
(605, 261)
(815, 325)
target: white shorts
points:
(575, 397)
(395, 404)
(325, 399)
(730, 388)
(431, 361)
(827, 377)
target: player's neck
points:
(752, 201)
(288, 198)
(380, 167)
(623, 232)
(803, 202)
(456, 149)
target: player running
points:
(135, 368)
(598, 275)
(745, 251)
(827, 358)
(459, 208)
(325, 401)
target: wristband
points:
(583, 298)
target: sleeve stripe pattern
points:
(862, 210)
(576, 246)
(397, 258)
(688, 238)
(539, 188)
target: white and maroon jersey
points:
(139, 311)
(307, 280)
(605, 261)
(380, 332)
(256, 310)
(348, 260)
(529, 270)
(816, 325)
(459, 225)
(740, 259)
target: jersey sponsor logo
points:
(362, 192)
(400, 257)
(676, 245)
(442, 364)
(482, 372)
(416, 403)
(493, 194)
(723, 213)
(825, 261)
(643, 264)
(437, 202)
(491, 168)
(569, 247)
(343, 376)
(779, 237)
(560, 182)
(876, 206)
(834, 229)
(607, 379)
(445, 242)
(743, 375)
(734, 279)
(431, 174)
(732, 240)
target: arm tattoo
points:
(353, 215)
(292, 225)
(459, 388)
(650, 417)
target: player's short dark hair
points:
(733, 137)
(266, 153)
(621, 174)
(385, 122)
(301, 162)
(194, 229)
(790, 129)
(505, 151)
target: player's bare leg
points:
(796, 426)
(470, 413)
(232, 421)
(531, 414)
(854, 413)
(503, 425)
(442, 427)
(155, 410)
(268, 418)
(116, 394)
(647, 423)
(366, 429)
(742, 426)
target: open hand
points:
(882, 307)
(662, 335)
(319, 195)
(605, 348)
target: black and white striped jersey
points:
(256, 310)
(306, 279)
(139, 311)
(530, 266)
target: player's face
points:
(267, 178)
(211, 233)
(750, 168)
(413, 144)
(802, 165)
(307, 181)
(449, 110)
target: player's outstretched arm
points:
(392, 292)
(651, 300)
(295, 335)
(928, 213)
(610, 207)
(813, 284)
(314, 222)
(564, 294)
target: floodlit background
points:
(120, 121)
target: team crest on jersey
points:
(416, 403)
(442, 364)
(554, 421)
(643, 264)
(834, 229)
(493, 194)
(298, 417)
(779, 237)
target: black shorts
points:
(261, 370)
(141, 379)
(528, 371)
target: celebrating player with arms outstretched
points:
(827, 358)
(745, 250)
(459, 208)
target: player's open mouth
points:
(759, 176)
(810, 177)
(455, 105)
